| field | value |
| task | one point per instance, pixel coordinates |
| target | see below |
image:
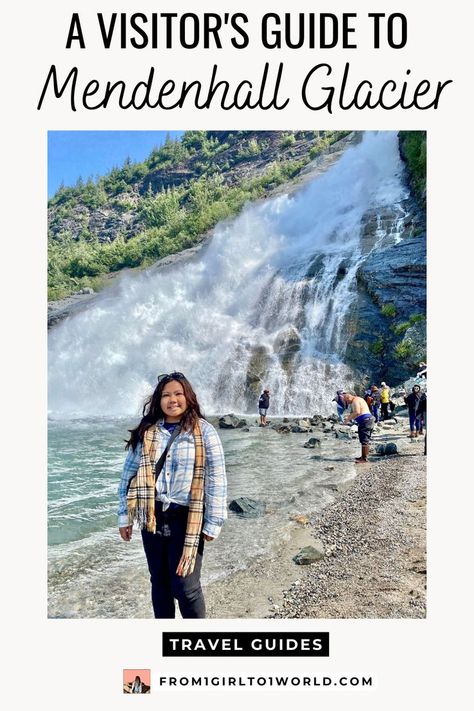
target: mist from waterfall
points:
(263, 304)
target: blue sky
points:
(74, 154)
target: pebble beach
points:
(374, 536)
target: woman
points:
(412, 400)
(137, 686)
(174, 486)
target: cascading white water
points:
(266, 294)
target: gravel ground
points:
(375, 540)
(374, 534)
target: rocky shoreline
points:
(374, 536)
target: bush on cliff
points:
(413, 151)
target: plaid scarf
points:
(141, 496)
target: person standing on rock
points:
(412, 401)
(263, 405)
(384, 400)
(365, 423)
(173, 486)
(340, 404)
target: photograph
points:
(136, 681)
(237, 374)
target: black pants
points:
(385, 415)
(163, 554)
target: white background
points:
(73, 663)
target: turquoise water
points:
(92, 573)
(85, 459)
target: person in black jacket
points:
(421, 414)
(263, 405)
(416, 422)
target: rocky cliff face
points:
(387, 320)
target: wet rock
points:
(310, 554)
(257, 367)
(231, 422)
(387, 449)
(343, 433)
(301, 426)
(282, 429)
(312, 443)
(392, 275)
(287, 344)
(247, 508)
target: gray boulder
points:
(310, 554)
(247, 508)
(301, 426)
(384, 450)
(282, 429)
(231, 422)
(312, 443)
(343, 433)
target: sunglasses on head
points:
(171, 376)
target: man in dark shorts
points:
(360, 413)
(263, 405)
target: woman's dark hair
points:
(152, 411)
(137, 677)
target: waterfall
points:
(263, 304)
